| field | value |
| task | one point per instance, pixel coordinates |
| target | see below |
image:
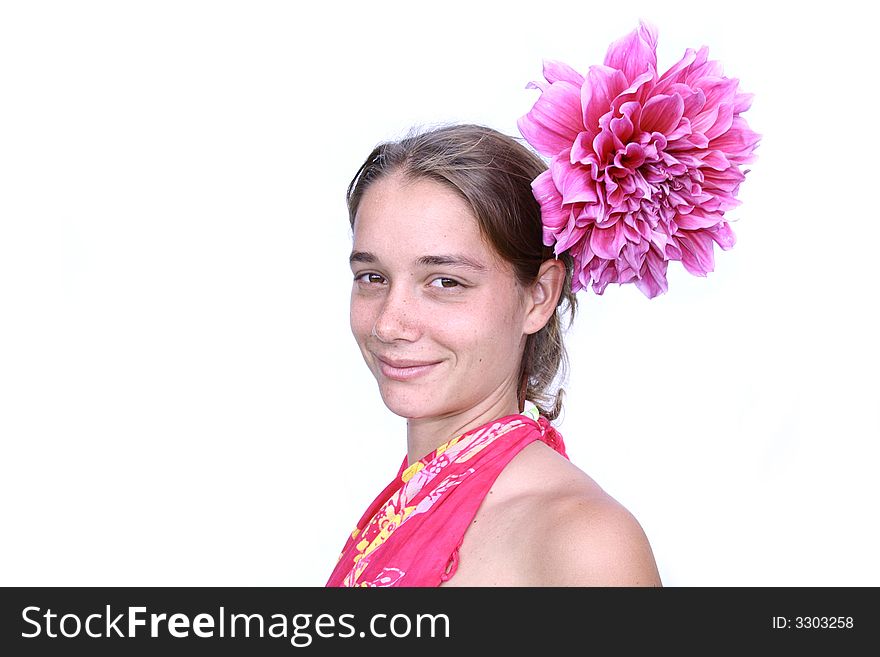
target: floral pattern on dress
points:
(472, 460)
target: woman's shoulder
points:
(572, 532)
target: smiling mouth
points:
(404, 370)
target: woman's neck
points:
(424, 435)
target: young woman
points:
(457, 307)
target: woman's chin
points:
(409, 406)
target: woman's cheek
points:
(361, 324)
(468, 333)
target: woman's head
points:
(484, 322)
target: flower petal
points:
(737, 143)
(555, 71)
(697, 218)
(607, 242)
(742, 102)
(553, 214)
(635, 53)
(677, 72)
(715, 159)
(602, 85)
(697, 253)
(554, 121)
(723, 235)
(573, 182)
(662, 114)
(653, 276)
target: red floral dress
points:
(410, 534)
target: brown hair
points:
(493, 173)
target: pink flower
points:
(642, 167)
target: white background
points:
(181, 400)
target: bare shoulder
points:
(592, 542)
(576, 534)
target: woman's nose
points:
(397, 318)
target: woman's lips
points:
(404, 370)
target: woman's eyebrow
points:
(450, 261)
(456, 260)
(362, 256)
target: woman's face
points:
(438, 316)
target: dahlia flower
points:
(642, 166)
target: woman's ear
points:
(543, 295)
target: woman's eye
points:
(445, 282)
(369, 278)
